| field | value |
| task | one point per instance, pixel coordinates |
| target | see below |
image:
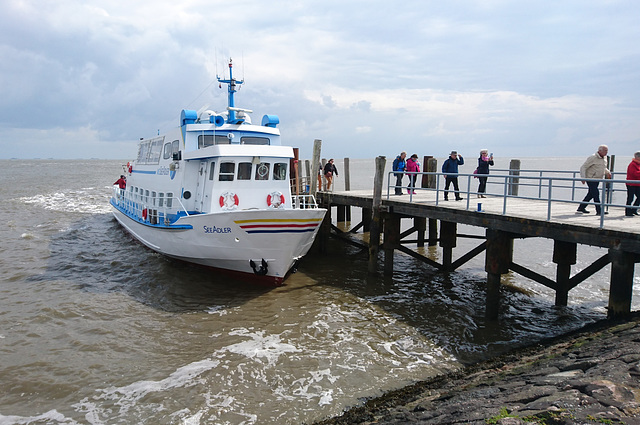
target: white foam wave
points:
(259, 346)
(52, 416)
(89, 200)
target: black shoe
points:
(446, 199)
(582, 210)
(459, 199)
(629, 214)
(605, 213)
(636, 213)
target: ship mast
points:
(232, 84)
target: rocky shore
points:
(591, 376)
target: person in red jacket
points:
(633, 189)
(122, 184)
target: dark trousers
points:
(412, 182)
(592, 193)
(482, 187)
(632, 191)
(448, 180)
(399, 183)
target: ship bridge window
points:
(205, 140)
(249, 140)
(244, 171)
(262, 171)
(143, 152)
(167, 151)
(175, 147)
(155, 151)
(280, 171)
(227, 171)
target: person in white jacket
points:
(595, 167)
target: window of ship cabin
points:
(212, 170)
(143, 152)
(146, 196)
(280, 171)
(175, 147)
(262, 171)
(153, 199)
(156, 151)
(169, 199)
(227, 171)
(244, 171)
(167, 151)
(205, 140)
(160, 199)
(249, 140)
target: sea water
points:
(97, 329)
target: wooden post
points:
(433, 232)
(315, 165)
(420, 223)
(564, 255)
(448, 231)
(391, 240)
(514, 182)
(366, 219)
(432, 167)
(498, 257)
(325, 231)
(374, 233)
(621, 288)
(347, 187)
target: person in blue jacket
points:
(451, 166)
(399, 164)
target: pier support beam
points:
(497, 259)
(376, 222)
(620, 293)
(448, 233)
(391, 241)
(433, 232)
(564, 255)
(420, 223)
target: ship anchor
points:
(264, 267)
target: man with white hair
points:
(595, 167)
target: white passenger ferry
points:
(216, 191)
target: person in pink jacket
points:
(412, 167)
(633, 189)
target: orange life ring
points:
(229, 200)
(275, 199)
(144, 214)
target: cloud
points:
(364, 77)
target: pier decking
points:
(504, 218)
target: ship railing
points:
(163, 210)
(303, 202)
(552, 190)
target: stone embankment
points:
(591, 376)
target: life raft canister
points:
(144, 214)
(275, 200)
(229, 201)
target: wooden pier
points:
(435, 221)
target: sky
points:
(521, 78)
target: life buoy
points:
(229, 201)
(129, 167)
(275, 200)
(144, 214)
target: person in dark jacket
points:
(484, 161)
(399, 164)
(330, 170)
(451, 166)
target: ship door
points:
(201, 197)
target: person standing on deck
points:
(330, 170)
(399, 165)
(484, 161)
(595, 167)
(633, 189)
(122, 184)
(451, 166)
(413, 167)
